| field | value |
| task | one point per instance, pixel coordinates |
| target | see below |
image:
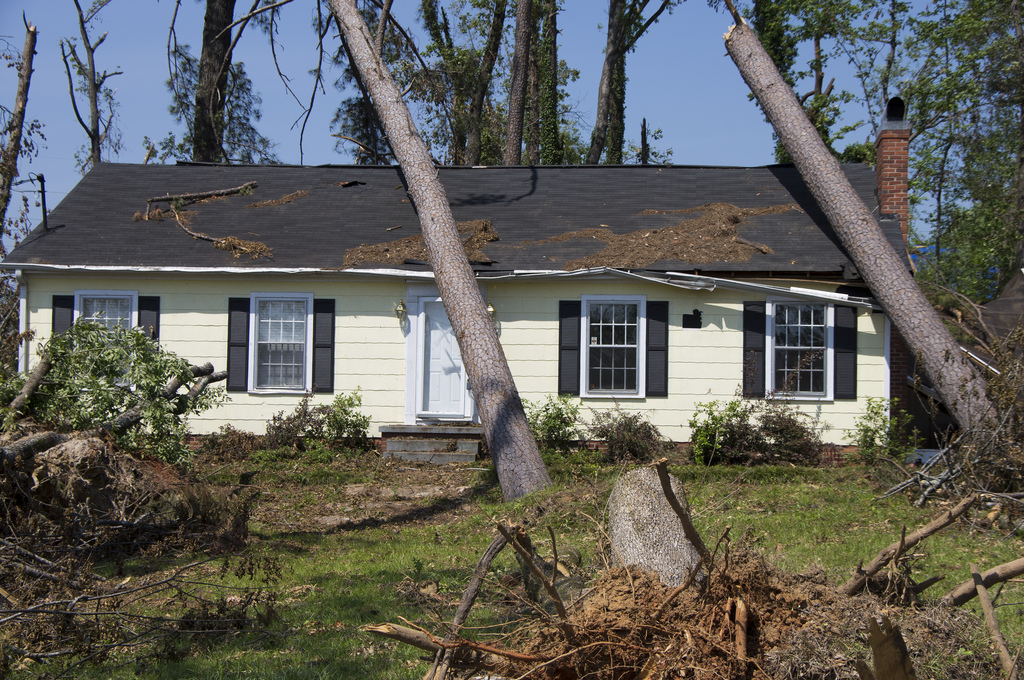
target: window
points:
(614, 337)
(106, 308)
(808, 349)
(799, 332)
(283, 333)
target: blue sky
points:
(680, 79)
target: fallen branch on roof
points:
(232, 244)
(185, 199)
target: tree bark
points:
(214, 63)
(9, 160)
(516, 458)
(886, 274)
(517, 94)
(483, 83)
(35, 378)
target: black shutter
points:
(238, 345)
(323, 345)
(63, 313)
(149, 316)
(569, 347)
(657, 348)
(844, 336)
(753, 349)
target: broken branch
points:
(966, 591)
(691, 533)
(199, 195)
(539, 573)
(857, 581)
(1009, 665)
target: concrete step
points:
(446, 445)
(439, 457)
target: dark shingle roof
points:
(94, 224)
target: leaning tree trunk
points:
(516, 458)
(9, 159)
(958, 386)
(475, 120)
(612, 52)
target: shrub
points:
(229, 444)
(337, 425)
(883, 431)
(555, 423)
(344, 425)
(765, 431)
(628, 436)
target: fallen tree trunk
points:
(35, 378)
(857, 581)
(966, 591)
(886, 274)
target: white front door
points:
(443, 386)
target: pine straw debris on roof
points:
(473, 234)
(709, 237)
(287, 198)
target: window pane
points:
(281, 344)
(107, 311)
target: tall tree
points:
(101, 127)
(460, 82)
(517, 93)
(883, 270)
(626, 23)
(516, 458)
(212, 82)
(214, 97)
(14, 123)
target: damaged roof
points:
(658, 218)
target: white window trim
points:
(133, 295)
(769, 340)
(254, 299)
(641, 350)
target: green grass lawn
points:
(334, 581)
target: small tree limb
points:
(691, 533)
(966, 591)
(539, 573)
(200, 195)
(857, 581)
(1009, 664)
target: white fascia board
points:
(402, 273)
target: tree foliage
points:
(98, 374)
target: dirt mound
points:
(798, 627)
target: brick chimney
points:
(891, 163)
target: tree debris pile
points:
(798, 627)
(473, 235)
(709, 237)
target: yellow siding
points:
(370, 353)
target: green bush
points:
(555, 423)
(883, 431)
(345, 426)
(337, 426)
(628, 436)
(98, 373)
(764, 431)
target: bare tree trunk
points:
(9, 160)
(612, 51)
(214, 63)
(483, 83)
(883, 270)
(531, 122)
(516, 458)
(517, 95)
